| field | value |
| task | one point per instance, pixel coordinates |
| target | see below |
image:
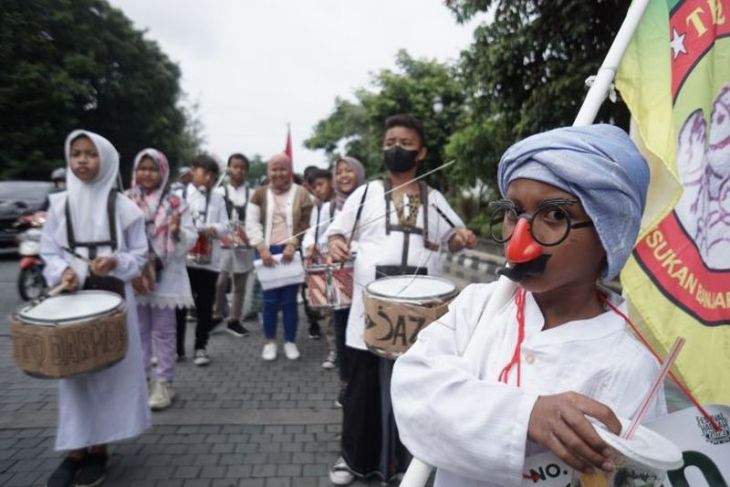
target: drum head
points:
(412, 288)
(68, 308)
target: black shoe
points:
(236, 329)
(314, 331)
(93, 470)
(65, 473)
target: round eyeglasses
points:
(549, 225)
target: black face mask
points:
(398, 159)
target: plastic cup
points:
(642, 460)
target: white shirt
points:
(375, 247)
(216, 218)
(453, 413)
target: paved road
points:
(238, 422)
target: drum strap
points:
(230, 206)
(316, 227)
(406, 229)
(93, 246)
(358, 215)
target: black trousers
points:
(203, 284)
(181, 315)
(370, 441)
(343, 351)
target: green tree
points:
(257, 170)
(81, 64)
(430, 90)
(525, 72)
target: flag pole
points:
(418, 471)
(607, 72)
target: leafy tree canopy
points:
(525, 72)
(81, 64)
(427, 89)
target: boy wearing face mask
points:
(400, 232)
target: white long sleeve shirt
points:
(376, 247)
(453, 413)
(216, 218)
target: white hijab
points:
(88, 201)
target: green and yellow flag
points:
(675, 78)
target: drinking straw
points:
(654, 390)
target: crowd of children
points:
(173, 250)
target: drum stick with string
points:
(443, 215)
(77, 255)
(49, 294)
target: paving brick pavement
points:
(237, 422)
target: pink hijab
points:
(157, 204)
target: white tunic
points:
(111, 404)
(375, 247)
(173, 288)
(237, 260)
(454, 414)
(216, 218)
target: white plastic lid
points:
(646, 446)
(71, 307)
(411, 287)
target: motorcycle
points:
(31, 283)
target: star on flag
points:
(677, 43)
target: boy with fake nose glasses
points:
(475, 395)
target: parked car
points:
(19, 198)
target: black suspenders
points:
(93, 246)
(408, 230)
(230, 206)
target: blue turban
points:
(601, 166)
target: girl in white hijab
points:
(109, 405)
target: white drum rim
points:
(412, 299)
(122, 306)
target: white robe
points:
(111, 404)
(375, 247)
(173, 288)
(454, 414)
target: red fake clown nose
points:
(522, 247)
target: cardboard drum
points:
(70, 334)
(397, 308)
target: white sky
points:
(253, 66)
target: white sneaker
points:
(162, 395)
(330, 361)
(269, 352)
(201, 358)
(291, 351)
(340, 473)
